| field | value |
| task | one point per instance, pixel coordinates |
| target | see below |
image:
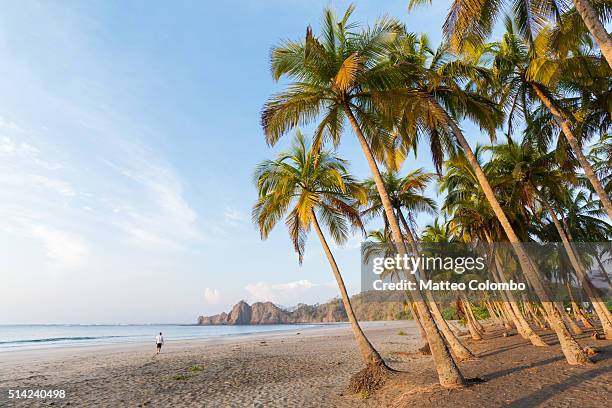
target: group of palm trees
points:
(545, 84)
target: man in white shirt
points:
(159, 341)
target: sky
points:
(129, 132)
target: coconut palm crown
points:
(300, 183)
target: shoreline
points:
(312, 369)
(76, 344)
(27, 354)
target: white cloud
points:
(7, 125)
(212, 296)
(62, 249)
(58, 186)
(164, 219)
(290, 292)
(234, 215)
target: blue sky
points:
(128, 136)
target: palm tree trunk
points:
(448, 372)
(595, 27)
(497, 319)
(472, 315)
(368, 353)
(538, 316)
(504, 310)
(474, 332)
(602, 269)
(533, 312)
(571, 139)
(598, 304)
(415, 314)
(568, 319)
(506, 314)
(576, 309)
(522, 326)
(571, 349)
(458, 348)
(581, 316)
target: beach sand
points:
(309, 369)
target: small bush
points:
(364, 395)
(182, 377)
(480, 312)
(195, 369)
(403, 315)
(401, 333)
(450, 313)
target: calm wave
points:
(14, 337)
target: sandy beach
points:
(310, 368)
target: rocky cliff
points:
(367, 307)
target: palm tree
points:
(436, 96)
(535, 176)
(473, 20)
(524, 71)
(334, 79)
(312, 188)
(434, 236)
(600, 155)
(581, 217)
(406, 193)
(379, 244)
(473, 219)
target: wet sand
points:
(310, 369)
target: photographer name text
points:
(486, 285)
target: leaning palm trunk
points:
(598, 304)
(581, 316)
(496, 318)
(470, 326)
(470, 319)
(578, 314)
(369, 355)
(522, 326)
(448, 372)
(595, 27)
(602, 270)
(570, 347)
(571, 139)
(423, 336)
(569, 322)
(475, 321)
(458, 348)
(534, 312)
(506, 314)
(568, 319)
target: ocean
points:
(14, 337)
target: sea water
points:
(13, 337)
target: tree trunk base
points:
(472, 357)
(369, 379)
(425, 350)
(581, 359)
(537, 341)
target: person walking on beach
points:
(159, 340)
